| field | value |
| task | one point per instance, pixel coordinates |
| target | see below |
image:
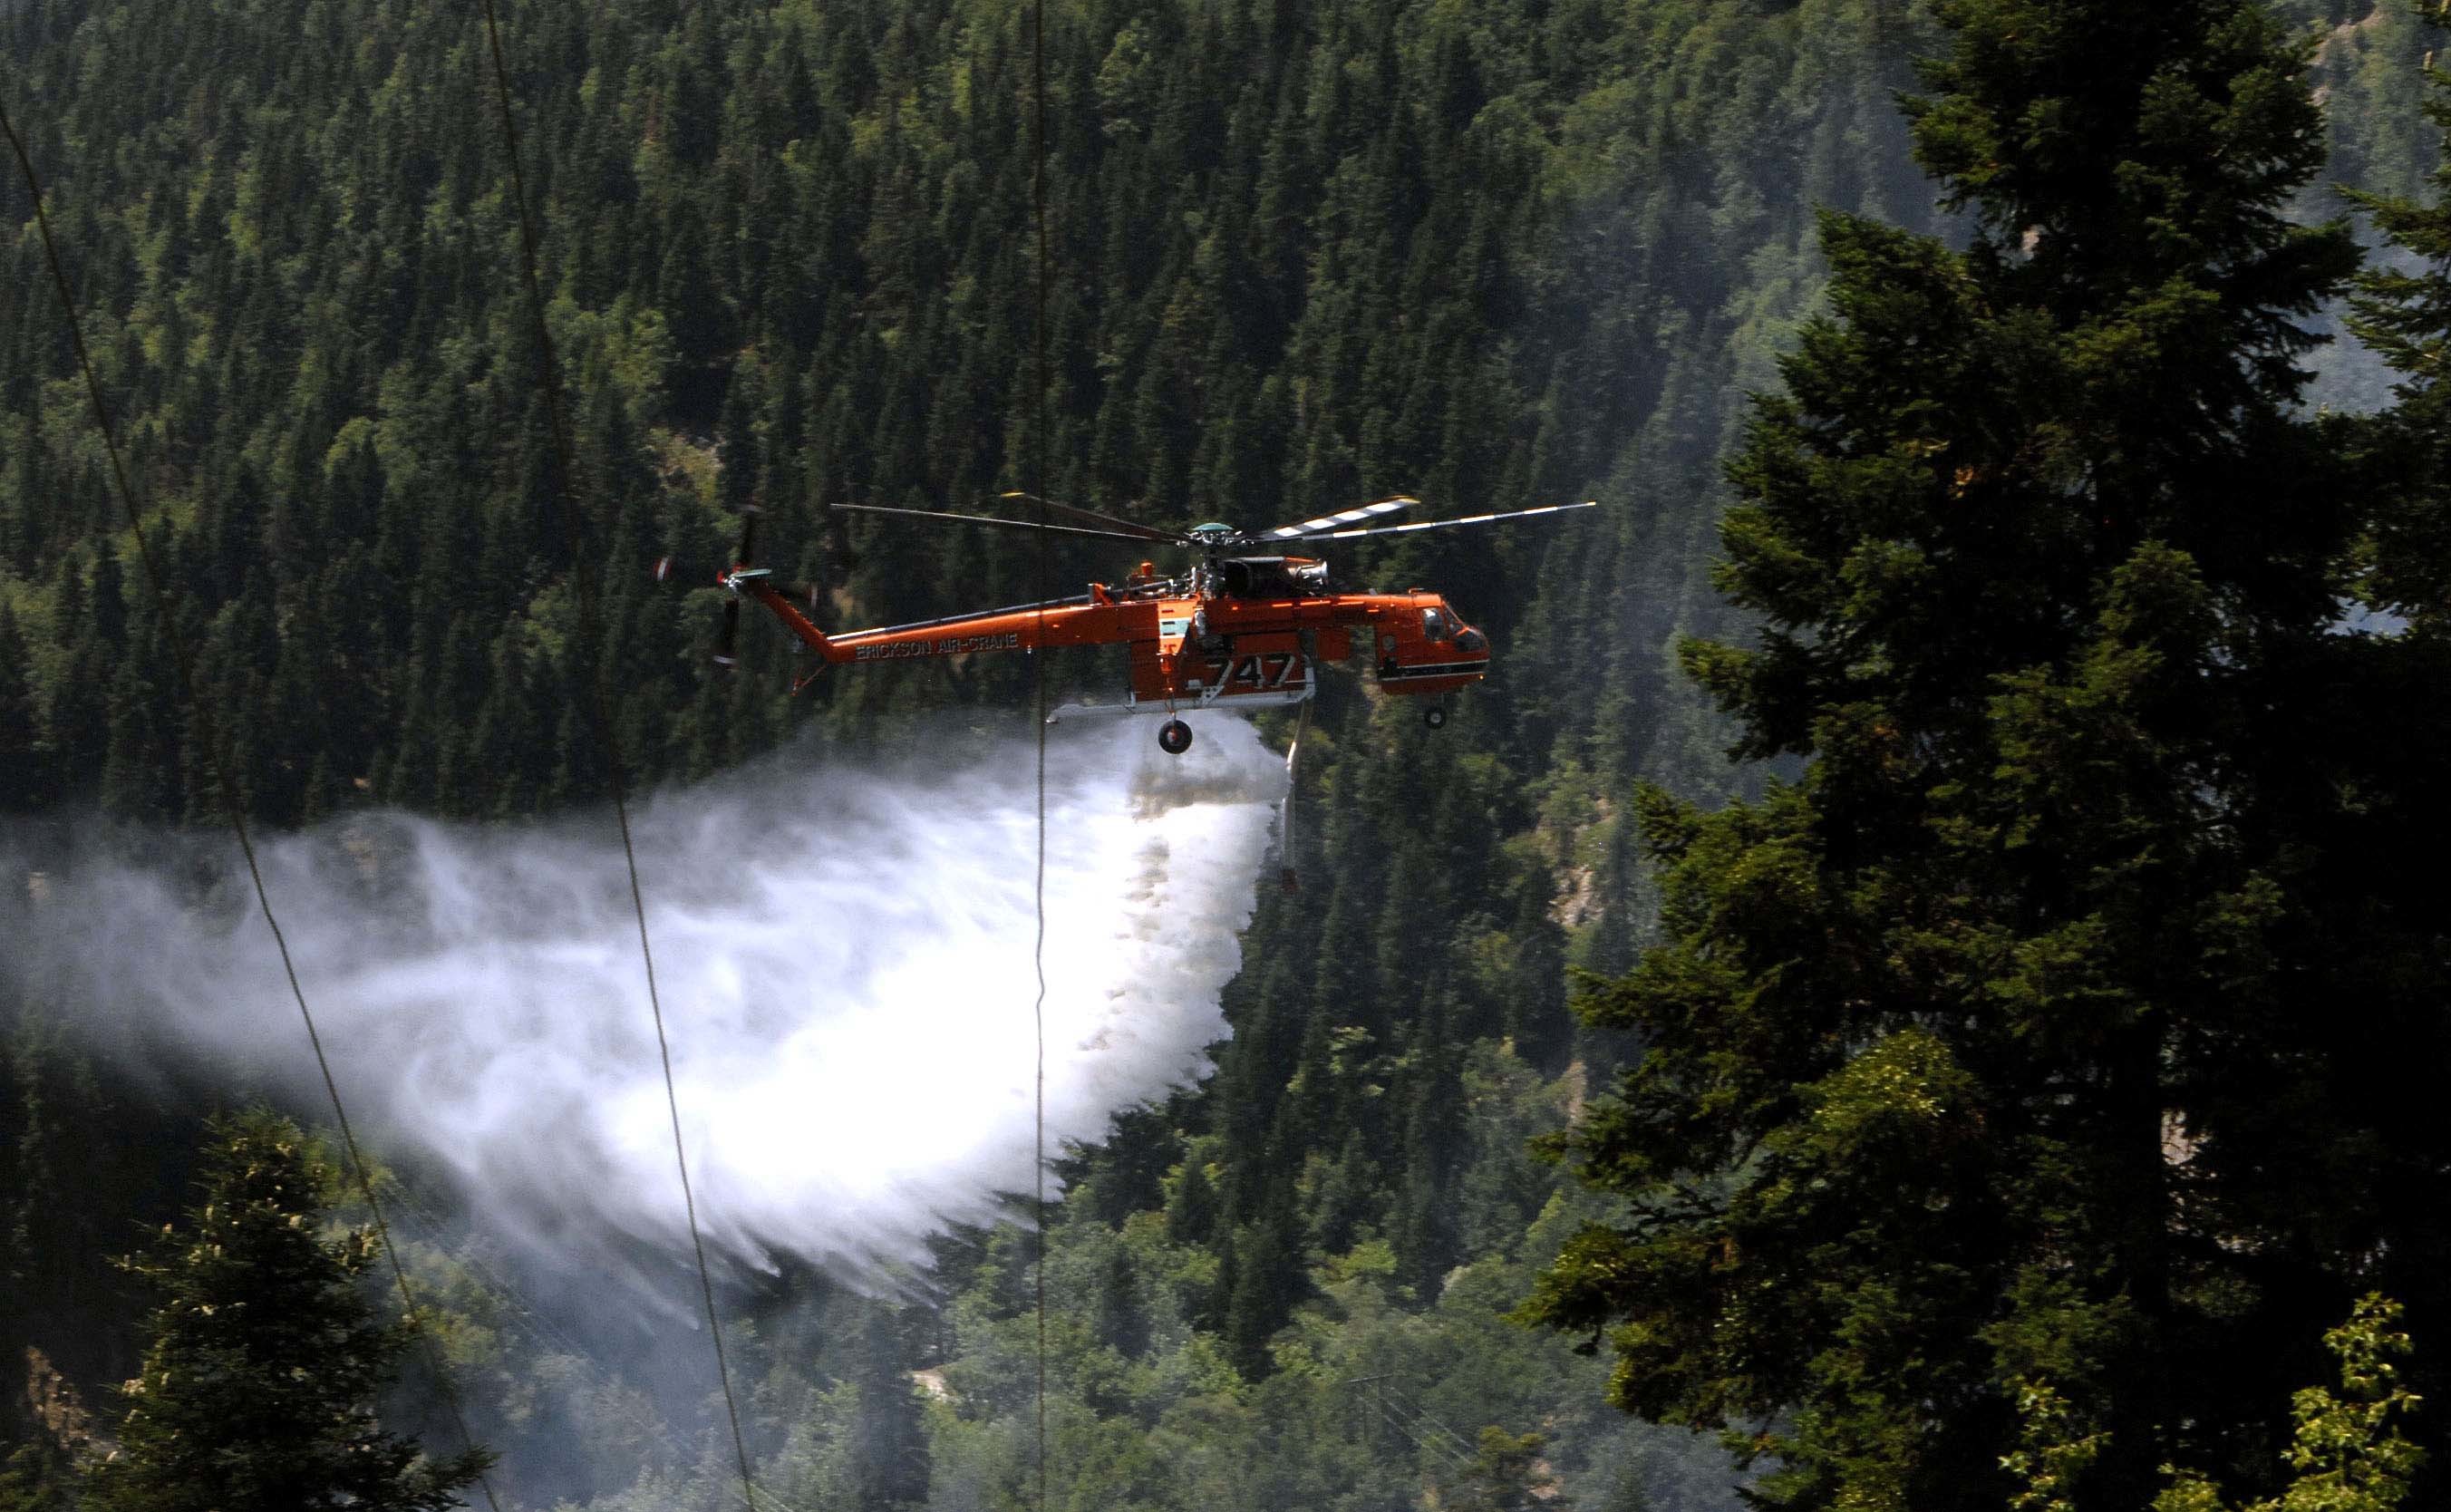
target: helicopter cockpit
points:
(1271, 577)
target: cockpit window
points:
(1435, 625)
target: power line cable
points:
(591, 635)
(1436, 1428)
(1432, 1445)
(1393, 1412)
(1415, 1422)
(1038, 699)
(208, 736)
(551, 1337)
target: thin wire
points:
(545, 1332)
(589, 629)
(209, 736)
(1038, 700)
(1459, 1461)
(1422, 1414)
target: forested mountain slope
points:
(1301, 255)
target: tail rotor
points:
(735, 580)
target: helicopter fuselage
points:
(1247, 632)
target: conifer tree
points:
(1191, 1210)
(135, 778)
(68, 600)
(22, 778)
(265, 1358)
(2405, 317)
(2009, 1050)
(889, 1458)
(1268, 1280)
(109, 604)
(1505, 1475)
(36, 1478)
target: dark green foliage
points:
(258, 1383)
(36, 1479)
(1300, 258)
(1506, 1475)
(79, 1161)
(2008, 1049)
(1267, 1278)
(25, 776)
(1494, 253)
(1191, 1210)
(2347, 1453)
(1471, 251)
(2404, 315)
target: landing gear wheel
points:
(1435, 717)
(1174, 738)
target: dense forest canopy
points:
(1301, 255)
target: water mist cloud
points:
(845, 959)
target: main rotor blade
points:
(1469, 519)
(1349, 516)
(726, 645)
(994, 520)
(1130, 527)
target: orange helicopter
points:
(1246, 627)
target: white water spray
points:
(845, 959)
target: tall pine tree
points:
(2404, 315)
(259, 1383)
(24, 778)
(2050, 1040)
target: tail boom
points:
(1069, 623)
(796, 623)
